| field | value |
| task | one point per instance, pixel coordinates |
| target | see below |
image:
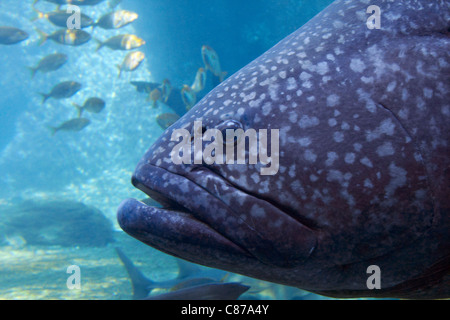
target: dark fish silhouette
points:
(165, 120)
(11, 35)
(62, 90)
(93, 105)
(122, 42)
(74, 125)
(60, 18)
(189, 275)
(49, 63)
(364, 161)
(211, 291)
(117, 19)
(68, 37)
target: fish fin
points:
(42, 37)
(53, 130)
(100, 44)
(120, 70)
(32, 71)
(79, 108)
(44, 97)
(186, 269)
(223, 75)
(141, 284)
(39, 16)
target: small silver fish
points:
(49, 63)
(131, 62)
(117, 19)
(74, 125)
(11, 35)
(93, 105)
(62, 90)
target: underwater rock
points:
(63, 223)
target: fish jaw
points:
(205, 227)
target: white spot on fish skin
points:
(357, 65)
(305, 76)
(367, 80)
(248, 97)
(255, 177)
(310, 156)
(391, 86)
(338, 137)
(322, 68)
(267, 108)
(282, 74)
(273, 91)
(332, 122)
(368, 184)
(257, 212)
(338, 24)
(386, 150)
(387, 127)
(332, 157)
(428, 93)
(333, 100)
(331, 57)
(366, 161)
(308, 122)
(345, 126)
(227, 103)
(398, 179)
(446, 111)
(405, 94)
(305, 142)
(293, 117)
(350, 158)
(291, 84)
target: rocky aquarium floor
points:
(38, 272)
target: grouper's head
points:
(345, 163)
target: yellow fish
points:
(200, 81)
(189, 97)
(131, 62)
(122, 42)
(212, 62)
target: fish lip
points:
(174, 222)
(286, 245)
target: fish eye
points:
(232, 128)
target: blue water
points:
(94, 166)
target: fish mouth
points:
(204, 219)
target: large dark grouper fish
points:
(364, 176)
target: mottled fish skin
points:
(364, 161)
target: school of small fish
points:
(179, 100)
